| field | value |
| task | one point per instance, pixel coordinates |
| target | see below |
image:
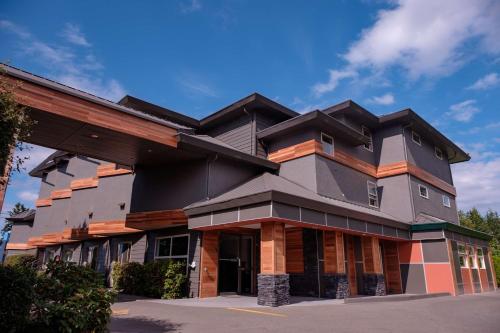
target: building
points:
(255, 198)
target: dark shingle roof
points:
(26, 216)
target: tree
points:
(489, 223)
(18, 208)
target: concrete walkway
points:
(237, 301)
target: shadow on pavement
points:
(141, 324)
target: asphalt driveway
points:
(468, 313)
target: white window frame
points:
(448, 202)
(463, 255)
(323, 142)
(480, 258)
(415, 134)
(64, 254)
(118, 253)
(372, 196)
(367, 133)
(438, 153)
(171, 244)
(471, 254)
(420, 186)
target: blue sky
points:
(442, 59)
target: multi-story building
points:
(258, 199)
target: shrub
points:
(16, 297)
(496, 263)
(22, 260)
(175, 280)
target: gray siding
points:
(21, 232)
(237, 133)
(137, 250)
(394, 197)
(113, 191)
(301, 171)
(263, 121)
(389, 145)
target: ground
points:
(468, 313)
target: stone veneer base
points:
(374, 284)
(273, 290)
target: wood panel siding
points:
(80, 184)
(391, 268)
(156, 219)
(372, 262)
(111, 169)
(43, 202)
(105, 228)
(209, 264)
(76, 108)
(333, 252)
(19, 246)
(294, 250)
(351, 266)
(61, 194)
(272, 248)
(382, 171)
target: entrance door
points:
(236, 264)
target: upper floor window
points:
(438, 152)
(327, 144)
(480, 258)
(423, 191)
(372, 194)
(124, 252)
(446, 201)
(366, 132)
(172, 247)
(416, 138)
(462, 255)
(472, 257)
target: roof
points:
(251, 102)
(267, 186)
(353, 109)
(451, 227)
(26, 216)
(48, 163)
(316, 119)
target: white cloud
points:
(109, 89)
(486, 82)
(425, 38)
(195, 86)
(335, 77)
(15, 29)
(27, 196)
(190, 6)
(35, 154)
(463, 111)
(386, 99)
(73, 35)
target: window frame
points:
(436, 150)
(480, 258)
(462, 255)
(372, 196)
(471, 255)
(63, 256)
(369, 136)
(413, 134)
(157, 239)
(118, 254)
(46, 257)
(90, 254)
(420, 186)
(322, 142)
(449, 201)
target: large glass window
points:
(372, 194)
(327, 144)
(172, 247)
(462, 255)
(124, 252)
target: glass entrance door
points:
(236, 264)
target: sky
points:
(440, 58)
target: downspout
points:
(209, 162)
(408, 175)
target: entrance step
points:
(393, 298)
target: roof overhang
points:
(351, 109)
(318, 120)
(451, 227)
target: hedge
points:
(165, 279)
(496, 263)
(22, 260)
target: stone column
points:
(373, 277)
(273, 282)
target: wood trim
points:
(156, 219)
(294, 250)
(61, 194)
(452, 265)
(351, 266)
(388, 170)
(80, 184)
(38, 242)
(111, 169)
(19, 246)
(493, 271)
(272, 248)
(43, 202)
(372, 262)
(105, 228)
(68, 106)
(209, 264)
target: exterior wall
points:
(20, 232)
(394, 197)
(434, 205)
(137, 250)
(111, 192)
(301, 171)
(236, 133)
(389, 145)
(262, 121)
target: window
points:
(438, 152)
(124, 252)
(372, 194)
(423, 191)
(472, 257)
(327, 144)
(67, 255)
(480, 258)
(49, 255)
(92, 256)
(462, 255)
(366, 132)
(416, 138)
(446, 201)
(172, 247)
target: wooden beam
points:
(106, 228)
(156, 219)
(333, 252)
(19, 246)
(80, 184)
(372, 262)
(272, 248)
(60, 194)
(111, 169)
(294, 250)
(43, 202)
(209, 264)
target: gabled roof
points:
(26, 216)
(49, 163)
(318, 120)
(249, 103)
(269, 187)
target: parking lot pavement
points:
(468, 313)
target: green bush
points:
(153, 279)
(22, 260)
(16, 297)
(496, 263)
